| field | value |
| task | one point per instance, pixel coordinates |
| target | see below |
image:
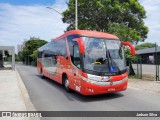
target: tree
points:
(145, 45)
(123, 18)
(1, 58)
(129, 56)
(20, 55)
(30, 46)
(34, 54)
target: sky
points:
(22, 19)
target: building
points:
(19, 48)
(150, 55)
(10, 50)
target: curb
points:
(27, 101)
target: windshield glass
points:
(103, 55)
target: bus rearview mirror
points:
(80, 45)
(131, 47)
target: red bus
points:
(88, 62)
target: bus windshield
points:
(103, 55)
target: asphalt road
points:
(47, 95)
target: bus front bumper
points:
(104, 87)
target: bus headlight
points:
(124, 79)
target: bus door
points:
(77, 66)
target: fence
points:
(141, 69)
(135, 68)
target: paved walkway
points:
(10, 93)
(153, 86)
(13, 94)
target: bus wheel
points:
(42, 73)
(66, 84)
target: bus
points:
(88, 62)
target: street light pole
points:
(76, 16)
(55, 10)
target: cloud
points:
(19, 22)
(153, 17)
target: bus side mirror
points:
(131, 47)
(80, 45)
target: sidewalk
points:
(13, 94)
(153, 86)
(10, 93)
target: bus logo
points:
(102, 78)
(111, 83)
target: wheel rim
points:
(42, 73)
(66, 83)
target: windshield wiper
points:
(112, 63)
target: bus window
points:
(39, 54)
(76, 56)
(60, 48)
(71, 44)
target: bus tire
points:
(41, 72)
(66, 83)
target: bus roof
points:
(88, 33)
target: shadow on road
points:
(5, 68)
(74, 96)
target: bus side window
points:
(61, 49)
(39, 54)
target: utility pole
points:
(76, 16)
